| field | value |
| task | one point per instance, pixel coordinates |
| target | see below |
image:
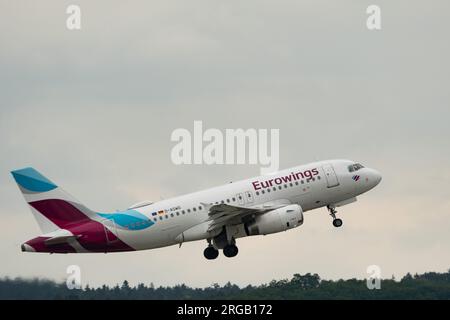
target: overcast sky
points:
(94, 110)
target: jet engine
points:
(282, 219)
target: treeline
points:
(429, 285)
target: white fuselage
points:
(185, 218)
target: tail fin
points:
(52, 207)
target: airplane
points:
(257, 206)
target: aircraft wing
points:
(223, 214)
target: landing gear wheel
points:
(230, 250)
(337, 222)
(211, 253)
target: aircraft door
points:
(330, 175)
(110, 231)
(249, 196)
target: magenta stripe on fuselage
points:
(93, 236)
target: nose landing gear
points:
(336, 221)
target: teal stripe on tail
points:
(31, 180)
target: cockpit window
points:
(355, 167)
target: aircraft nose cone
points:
(378, 176)
(375, 177)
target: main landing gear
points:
(229, 249)
(336, 221)
(210, 252)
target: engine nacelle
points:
(277, 220)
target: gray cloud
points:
(94, 110)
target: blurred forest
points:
(430, 285)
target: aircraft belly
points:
(147, 239)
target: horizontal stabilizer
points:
(60, 239)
